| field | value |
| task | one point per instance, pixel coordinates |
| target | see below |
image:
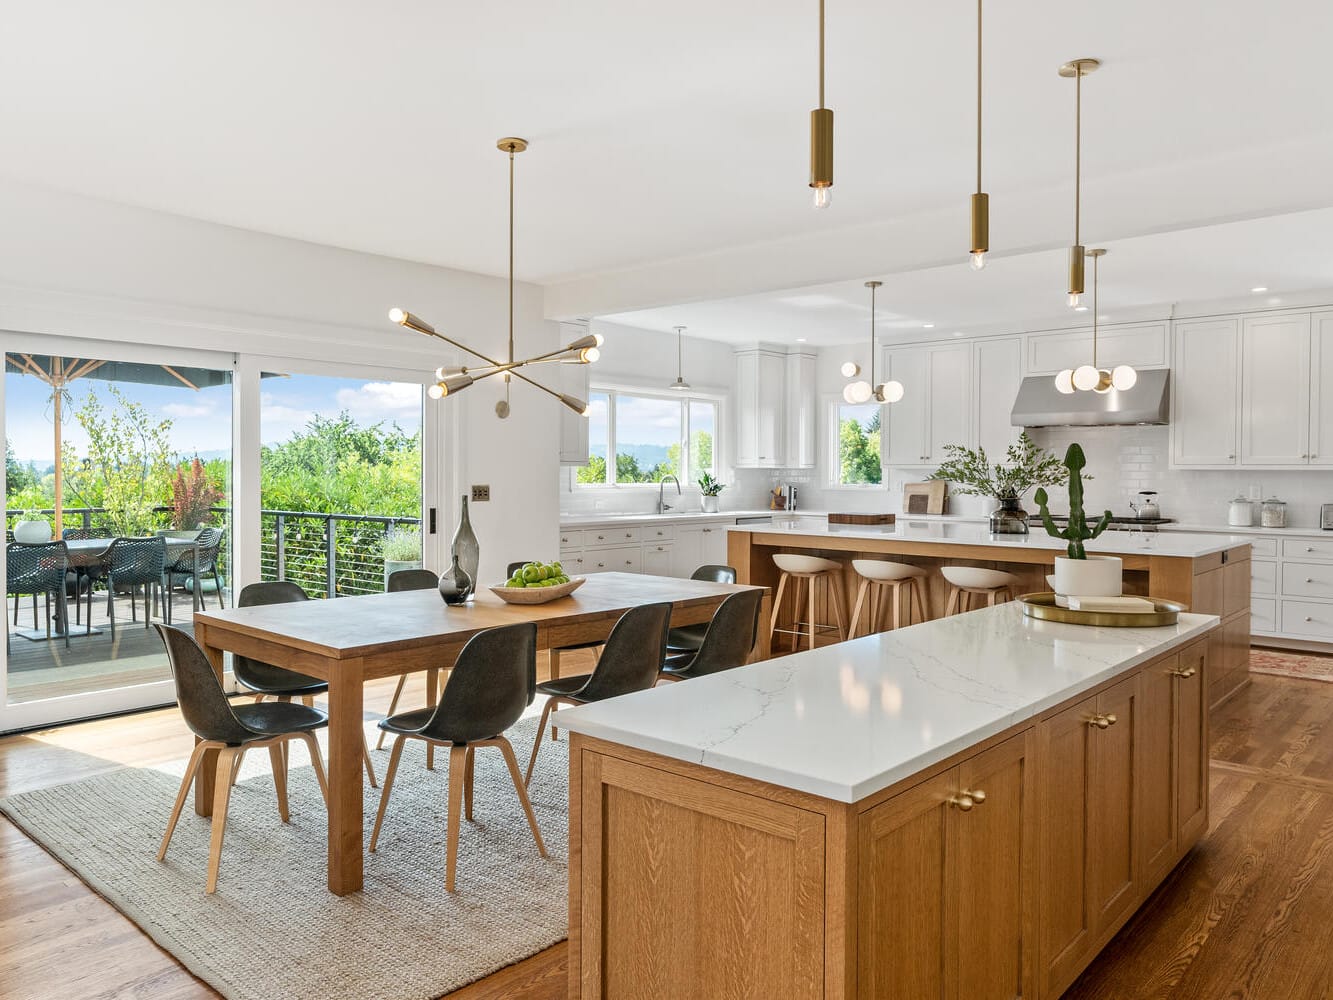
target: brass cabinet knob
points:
(1187, 672)
(963, 802)
(1111, 720)
(976, 795)
(1102, 721)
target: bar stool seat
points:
(819, 572)
(882, 579)
(967, 580)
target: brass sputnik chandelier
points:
(861, 391)
(821, 135)
(980, 200)
(1077, 69)
(450, 381)
(1093, 377)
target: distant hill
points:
(647, 455)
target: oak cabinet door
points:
(1113, 810)
(1156, 752)
(1192, 743)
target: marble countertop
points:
(848, 720)
(911, 529)
(602, 517)
(1252, 530)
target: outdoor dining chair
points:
(231, 730)
(195, 563)
(38, 569)
(132, 564)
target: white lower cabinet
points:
(698, 545)
(1263, 615)
(657, 558)
(658, 548)
(622, 559)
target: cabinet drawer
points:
(1307, 579)
(657, 533)
(572, 561)
(1263, 616)
(625, 559)
(1263, 547)
(596, 537)
(1305, 618)
(570, 539)
(1263, 577)
(1307, 548)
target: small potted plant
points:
(709, 488)
(402, 550)
(971, 474)
(1076, 572)
(30, 529)
(192, 498)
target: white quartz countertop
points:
(909, 529)
(1252, 531)
(848, 720)
(584, 520)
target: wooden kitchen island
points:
(966, 808)
(1209, 574)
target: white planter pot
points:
(1095, 576)
(393, 566)
(32, 532)
(708, 504)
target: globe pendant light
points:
(451, 381)
(1092, 377)
(821, 135)
(980, 200)
(1077, 69)
(861, 391)
(680, 384)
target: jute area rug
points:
(273, 931)
(1281, 663)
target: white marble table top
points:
(909, 529)
(847, 720)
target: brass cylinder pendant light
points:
(1093, 377)
(1077, 69)
(821, 135)
(980, 200)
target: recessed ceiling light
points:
(958, 333)
(1259, 289)
(1103, 318)
(1080, 309)
(800, 340)
(928, 326)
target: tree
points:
(858, 449)
(17, 477)
(594, 473)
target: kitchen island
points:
(1208, 573)
(969, 807)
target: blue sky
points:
(201, 420)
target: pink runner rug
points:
(1283, 663)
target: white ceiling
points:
(669, 142)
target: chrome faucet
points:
(662, 505)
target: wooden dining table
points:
(350, 640)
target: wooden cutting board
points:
(925, 498)
(862, 518)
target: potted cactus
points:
(1077, 573)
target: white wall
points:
(93, 269)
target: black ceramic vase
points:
(455, 584)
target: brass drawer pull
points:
(1187, 672)
(963, 803)
(1102, 721)
(976, 795)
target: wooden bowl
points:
(538, 595)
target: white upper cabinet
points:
(761, 430)
(936, 408)
(1205, 393)
(1275, 390)
(998, 372)
(950, 400)
(1143, 345)
(573, 380)
(800, 411)
(907, 420)
(1321, 389)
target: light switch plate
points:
(480, 492)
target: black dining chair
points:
(86, 577)
(130, 564)
(727, 643)
(195, 563)
(231, 730)
(399, 581)
(555, 652)
(38, 569)
(688, 638)
(630, 662)
(264, 680)
(493, 681)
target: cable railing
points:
(326, 554)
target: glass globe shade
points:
(1124, 377)
(1064, 382)
(857, 392)
(890, 392)
(850, 369)
(1086, 377)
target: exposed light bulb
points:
(1086, 377)
(589, 354)
(890, 392)
(599, 338)
(1124, 377)
(858, 392)
(1073, 299)
(1064, 382)
(396, 315)
(850, 369)
(435, 391)
(979, 260)
(823, 196)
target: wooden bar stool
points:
(965, 580)
(894, 581)
(819, 572)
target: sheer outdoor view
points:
(650, 436)
(145, 453)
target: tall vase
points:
(466, 549)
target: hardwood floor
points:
(1246, 915)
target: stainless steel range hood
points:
(1040, 404)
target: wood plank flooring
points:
(1245, 916)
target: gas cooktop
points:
(1120, 523)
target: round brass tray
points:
(1043, 606)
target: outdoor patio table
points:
(85, 552)
(349, 640)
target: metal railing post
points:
(280, 547)
(331, 557)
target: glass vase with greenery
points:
(970, 472)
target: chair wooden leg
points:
(279, 762)
(919, 595)
(836, 599)
(897, 599)
(777, 608)
(952, 607)
(365, 760)
(555, 664)
(221, 799)
(508, 751)
(810, 586)
(394, 755)
(468, 768)
(537, 743)
(990, 598)
(798, 599)
(316, 762)
(856, 607)
(432, 699)
(393, 707)
(236, 764)
(457, 771)
(186, 782)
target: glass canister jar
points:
(1274, 513)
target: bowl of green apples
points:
(537, 583)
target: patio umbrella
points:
(59, 372)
